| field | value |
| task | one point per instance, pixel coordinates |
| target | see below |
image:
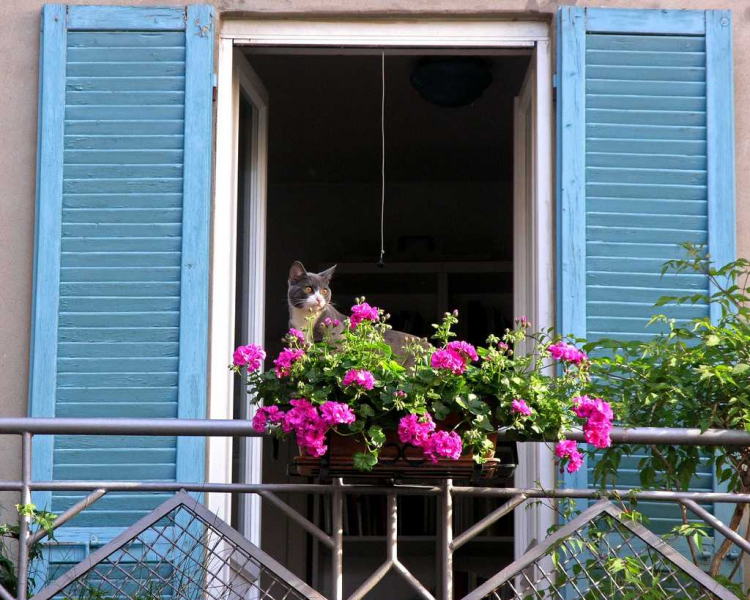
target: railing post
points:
(392, 529)
(337, 560)
(446, 541)
(23, 529)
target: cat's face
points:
(309, 290)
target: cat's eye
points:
(308, 290)
(324, 292)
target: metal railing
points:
(448, 543)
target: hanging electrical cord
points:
(381, 262)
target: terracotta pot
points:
(403, 461)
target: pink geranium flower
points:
(569, 449)
(337, 413)
(310, 429)
(251, 356)
(584, 407)
(363, 312)
(415, 429)
(520, 407)
(287, 357)
(464, 349)
(443, 444)
(599, 417)
(265, 415)
(296, 333)
(359, 378)
(301, 413)
(567, 353)
(448, 360)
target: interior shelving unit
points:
(418, 293)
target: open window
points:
(467, 195)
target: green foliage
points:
(38, 519)
(473, 403)
(696, 374)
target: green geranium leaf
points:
(376, 435)
(364, 461)
(441, 410)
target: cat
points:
(309, 295)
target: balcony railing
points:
(585, 565)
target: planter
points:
(404, 461)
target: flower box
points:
(398, 460)
(356, 405)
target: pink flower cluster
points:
(266, 415)
(464, 349)
(599, 417)
(251, 356)
(448, 360)
(569, 449)
(287, 357)
(567, 353)
(420, 432)
(416, 430)
(454, 357)
(363, 312)
(328, 322)
(309, 425)
(359, 378)
(443, 444)
(297, 334)
(337, 413)
(520, 407)
(303, 419)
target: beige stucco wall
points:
(18, 122)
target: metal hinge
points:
(554, 87)
(214, 85)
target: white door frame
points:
(533, 262)
(237, 79)
(366, 36)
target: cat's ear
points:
(327, 275)
(297, 271)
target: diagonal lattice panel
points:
(181, 551)
(598, 555)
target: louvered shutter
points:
(645, 162)
(120, 314)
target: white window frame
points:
(364, 35)
(533, 262)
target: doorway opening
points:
(449, 232)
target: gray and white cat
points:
(309, 296)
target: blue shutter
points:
(120, 313)
(645, 162)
